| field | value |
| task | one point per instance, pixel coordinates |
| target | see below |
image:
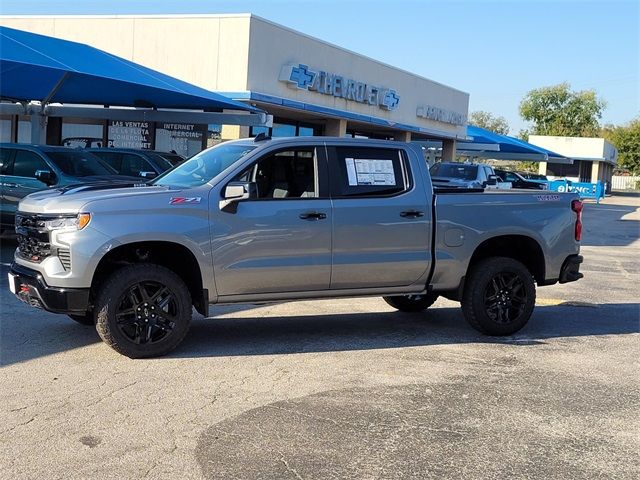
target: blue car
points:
(137, 162)
(26, 169)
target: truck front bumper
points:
(570, 271)
(30, 287)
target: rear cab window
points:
(368, 172)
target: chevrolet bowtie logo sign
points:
(300, 76)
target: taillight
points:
(576, 206)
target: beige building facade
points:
(310, 86)
(594, 159)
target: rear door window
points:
(132, 165)
(113, 159)
(367, 172)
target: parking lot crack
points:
(288, 467)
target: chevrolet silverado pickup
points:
(260, 220)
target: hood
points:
(72, 198)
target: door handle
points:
(412, 214)
(313, 216)
(10, 185)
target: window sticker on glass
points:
(364, 171)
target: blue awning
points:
(509, 148)
(39, 68)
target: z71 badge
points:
(184, 200)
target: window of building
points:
(563, 170)
(284, 128)
(367, 172)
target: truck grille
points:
(33, 239)
(65, 258)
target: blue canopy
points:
(47, 69)
(510, 148)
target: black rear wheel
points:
(499, 296)
(143, 311)
(411, 303)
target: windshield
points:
(172, 158)
(80, 164)
(161, 161)
(202, 167)
(450, 170)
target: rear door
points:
(381, 219)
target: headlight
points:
(76, 222)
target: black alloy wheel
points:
(143, 310)
(411, 302)
(499, 296)
(505, 298)
(146, 313)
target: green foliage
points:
(532, 167)
(490, 122)
(557, 110)
(626, 138)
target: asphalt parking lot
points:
(341, 388)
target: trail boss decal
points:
(184, 200)
(548, 198)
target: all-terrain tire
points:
(411, 303)
(143, 310)
(499, 296)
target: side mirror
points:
(492, 180)
(45, 176)
(148, 174)
(236, 192)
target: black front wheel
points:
(143, 310)
(411, 303)
(499, 296)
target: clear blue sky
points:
(496, 51)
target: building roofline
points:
(238, 15)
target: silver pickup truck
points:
(286, 219)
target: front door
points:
(281, 240)
(381, 219)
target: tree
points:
(626, 138)
(487, 121)
(557, 110)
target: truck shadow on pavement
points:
(43, 334)
(248, 335)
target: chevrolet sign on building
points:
(300, 76)
(310, 86)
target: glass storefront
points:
(284, 128)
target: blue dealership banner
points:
(584, 189)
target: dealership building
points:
(311, 87)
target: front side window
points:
(284, 174)
(368, 172)
(27, 163)
(204, 166)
